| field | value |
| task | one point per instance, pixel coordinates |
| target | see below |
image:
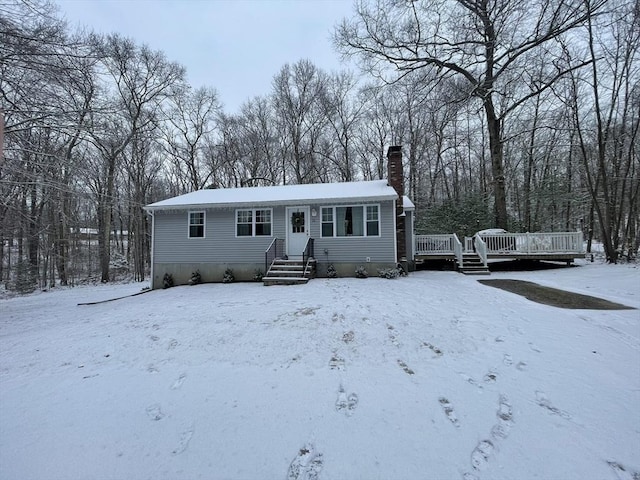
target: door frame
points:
(307, 225)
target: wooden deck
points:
(552, 246)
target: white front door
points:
(297, 231)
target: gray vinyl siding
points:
(380, 249)
(220, 244)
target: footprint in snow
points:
(470, 380)
(623, 473)
(178, 383)
(348, 337)
(346, 404)
(490, 377)
(154, 412)
(543, 401)
(507, 360)
(437, 352)
(449, 412)
(405, 367)
(534, 348)
(480, 455)
(307, 464)
(392, 335)
(336, 362)
(185, 438)
(505, 419)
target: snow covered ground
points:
(433, 376)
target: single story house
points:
(347, 224)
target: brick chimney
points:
(396, 180)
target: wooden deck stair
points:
(289, 272)
(472, 265)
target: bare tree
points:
(487, 43)
(343, 112)
(190, 119)
(612, 118)
(258, 133)
(42, 88)
(142, 79)
(296, 98)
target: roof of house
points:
(374, 190)
(407, 204)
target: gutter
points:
(271, 203)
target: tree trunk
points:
(497, 165)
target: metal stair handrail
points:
(271, 253)
(307, 255)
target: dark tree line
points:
(511, 113)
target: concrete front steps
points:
(472, 265)
(289, 272)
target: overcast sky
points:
(235, 46)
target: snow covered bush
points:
(167, 280)
(257, 276)
(331, 271)
(228, 276)
(389, 273)
(196, 278)
(361, 272)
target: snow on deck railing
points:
(503, 243)
(552, 242)
(457, 248)
(434, 244)
(468, 244)
(481, 248)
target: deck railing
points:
(457, 249)
(502, 243)
(468, 244)
(552, 242)
(434, 244)
(275, 250)
(481, 248)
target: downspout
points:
(153, 241)
(395, 233)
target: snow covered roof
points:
(374, 190)
(407, 204)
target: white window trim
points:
(364, 219)
(204, 223)
(253, 222)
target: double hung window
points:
(253, 223)
(196, 224)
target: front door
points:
(297, 231)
